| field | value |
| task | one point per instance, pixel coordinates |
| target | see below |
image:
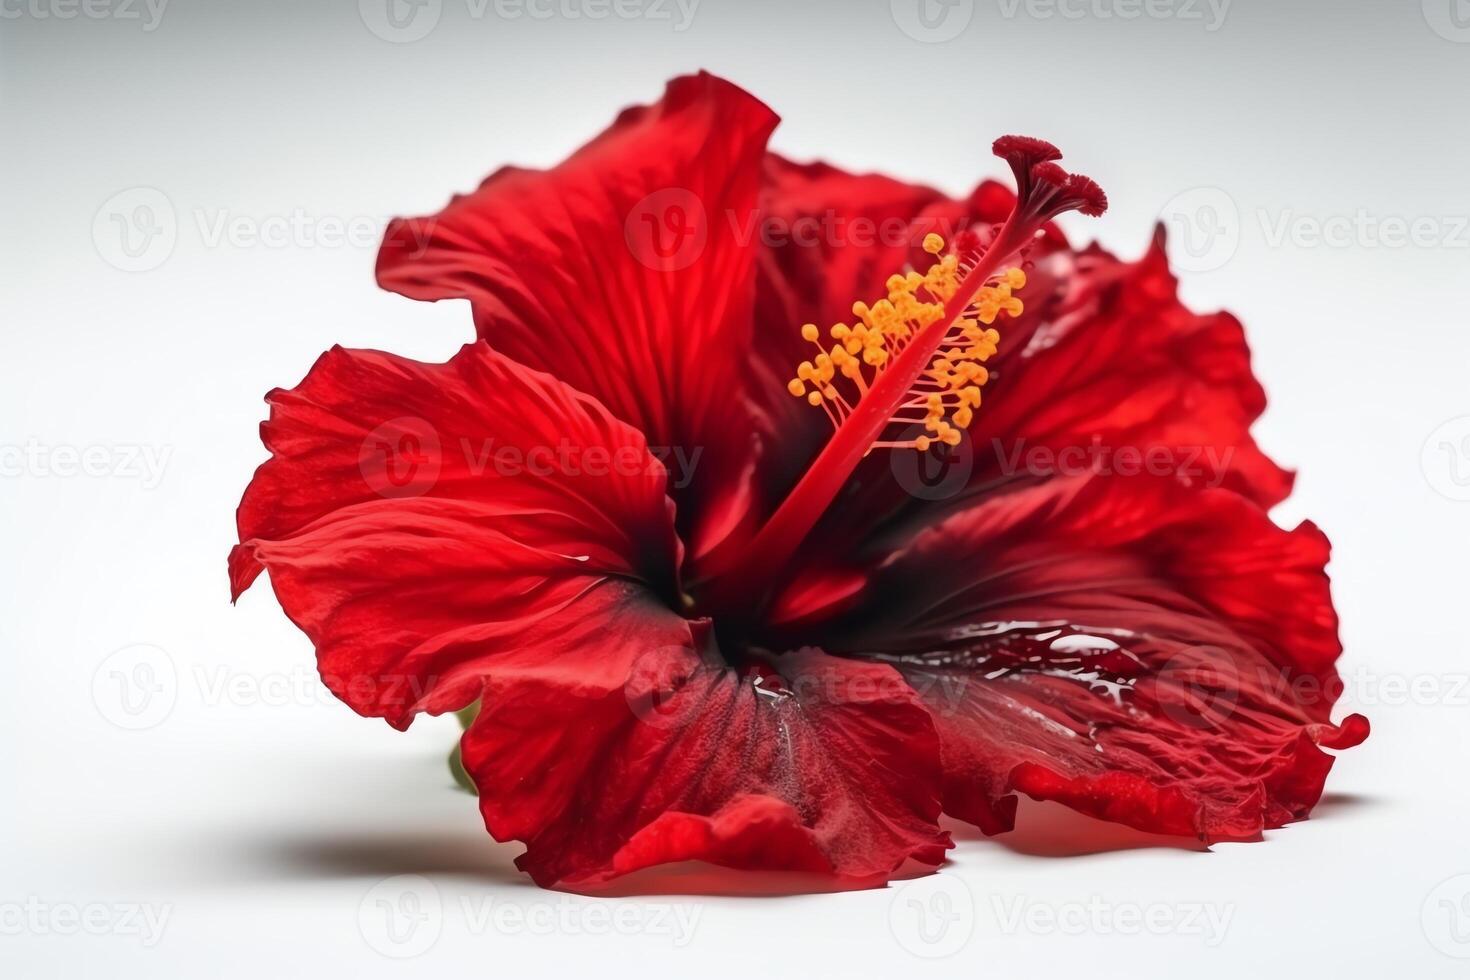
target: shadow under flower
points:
(458, 847)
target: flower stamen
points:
(944, 398)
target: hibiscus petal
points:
(418, 519)
(1141, 651)
(626, 272)
(639, 746)
(1109, 357)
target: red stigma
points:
(1084, 189)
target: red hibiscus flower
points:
(672, 519)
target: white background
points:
(261, 819)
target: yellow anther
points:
(881, 331)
